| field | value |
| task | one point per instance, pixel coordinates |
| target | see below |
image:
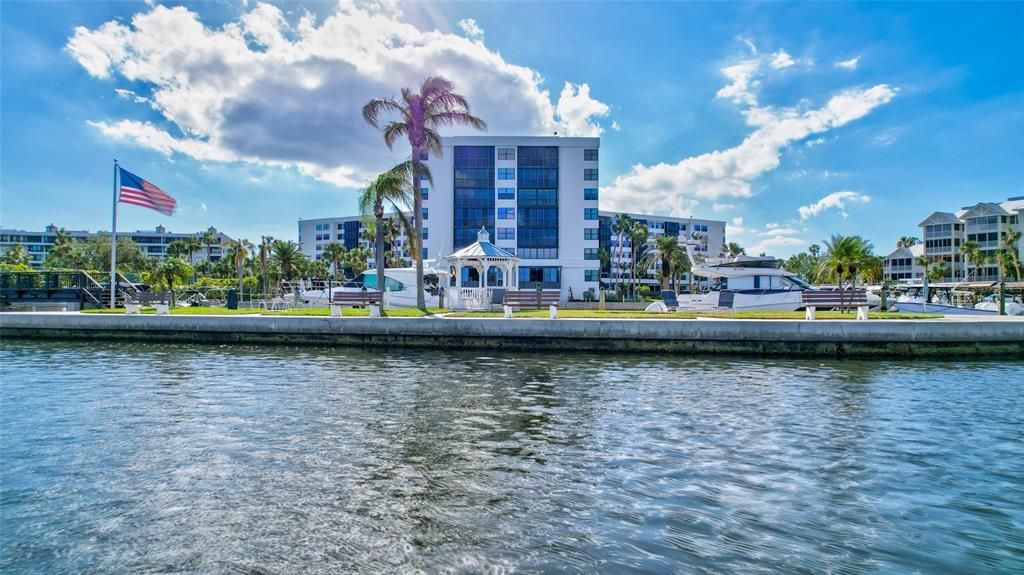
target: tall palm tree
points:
(172, 271)
(266, 243)
(16, 254)
(422, 114)
(387, 190)
(1009, 240)
(177, 249)
(59, 255)
(971, 251)
(239, 253)
(620, 226)
(666, 250)
(334, 253)
(939, 271)
(208, 238)
(638, 238)
(287, 256)
(906, 242)
(733, 249)
(357, 259)
(844, 256)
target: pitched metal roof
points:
(482, 248)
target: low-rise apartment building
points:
(944, 233)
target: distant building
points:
(153, 244)
(901, 264)
(537, 196)
(945, 232)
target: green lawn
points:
(347, 312)
(631, 314)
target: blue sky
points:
(789, 121)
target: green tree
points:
(422, 114)
(972, 253)
(926, 263)
(906, 242)
(357, 259)
(193, 244)
(16, 254)
(287, 256)
(207, 239)
(94, 254)
(170, 272)
(733, 249)
(61, 252)
(238, 253)
(844, 257)
(804, 265)
(334, 253)
(265, 251)
(1010, 240)
(620, 227)
(666, 250)
(939, 271)
(388, 190)
(638, 237)
(178, 249)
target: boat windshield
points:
(369, 281)
(793, 282)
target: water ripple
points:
(138, 458)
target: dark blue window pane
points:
(589, 193)
(537, 198)
(474, 193)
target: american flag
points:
(139, 192)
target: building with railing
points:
(944, 234)
(537, 198)
(153, 243)
(902, 264)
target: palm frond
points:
(446, 102)
(377, 106)
(455, 118)
(394, 131)
(432, 141)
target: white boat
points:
(747, 283)
(942, 299)
(399, 284)
(1011, 304)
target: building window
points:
(426, 233)
(537, 253)
(590, 155)
(474, 196)
(425, 193)
(590, 213)
(423, 253)
(341, 236)
(589, 193)
(506, 193)
(590, 233)
(506, 153)
(506, 173)
(590, 254)
(548, 277)
(506, 233)
(590, 275)
(319, 247)
(426, 213)
(590, 174)
(424, 155)
(506, 213)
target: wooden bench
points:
(813, 299)
(531, 298)
(161, 300)
(340, 299)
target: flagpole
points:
(113, 243)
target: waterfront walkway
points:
(947, 337)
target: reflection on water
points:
(128, 458)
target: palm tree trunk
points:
(240, 279)
(378, 246)
(417, 207)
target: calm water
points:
(134, 458)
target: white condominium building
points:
(902, 265)
(537, 197)
(943, 234)
(153, 243)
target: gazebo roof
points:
(482, 248)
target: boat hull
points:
(944, 309)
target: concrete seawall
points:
(893, 338)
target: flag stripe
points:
(136, 191)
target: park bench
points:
(535, 299)
(361, 298)
(160, 300)
(813, 299)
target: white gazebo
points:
(481, 256)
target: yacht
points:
(748, 283)
(943, 298)
(399, 287)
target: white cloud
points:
(814, 142)
(837, 200)
(782, 60)
(471, 28)
(131, 96)
(743, 83)
(616, 126)
(678, 188)
(850, 64)
(774, 243)
(887, 138)
(721, 207)
(577, 110)
(735, 228)
(264, 90)
(201, 205)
